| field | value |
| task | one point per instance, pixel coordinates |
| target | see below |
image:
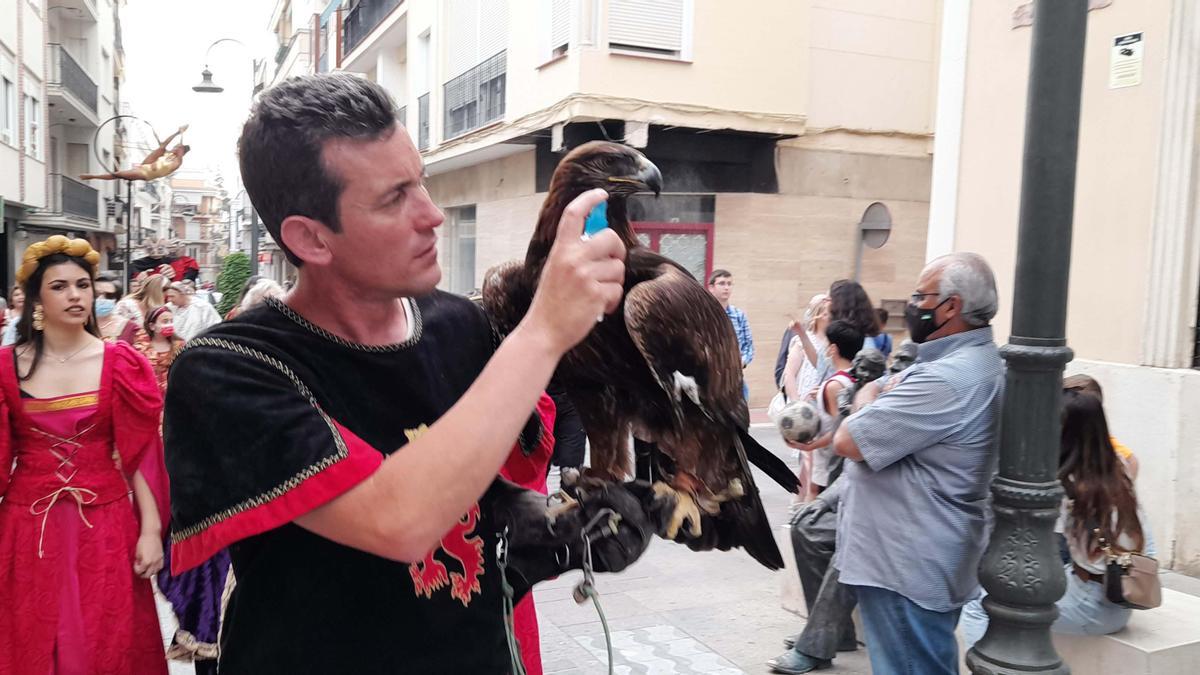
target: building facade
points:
(60, 72)
(1135, 273)
(771, 154)
(197, 223)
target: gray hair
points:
(968, 276)
(260, 291)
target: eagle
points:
(664, 367)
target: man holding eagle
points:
(344, 444)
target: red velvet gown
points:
(70, 600)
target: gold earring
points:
(39, 318)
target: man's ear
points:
(307, 238)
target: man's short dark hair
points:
(280, 147)
(845, 336)
(718, 274)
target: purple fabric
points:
(195, 595)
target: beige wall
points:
(1116, 175)
(782, 249)
(502, 191)
(873, 64)
(503, 178)
(742, 59)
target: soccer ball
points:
(799, 422)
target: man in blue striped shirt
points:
(915, 517)
(720, 284)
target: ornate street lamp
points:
(207, 86)
(1022, 570)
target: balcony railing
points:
(72, 77)
(364, 18)
(76, 198)
(423, 122)
(476, 97)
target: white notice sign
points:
(1125, 67)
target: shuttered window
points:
(476, 52)
(560, 26)
(476, 30)
(652, 26)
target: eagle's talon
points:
(566, 504)
(685, 509)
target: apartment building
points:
(60, 72)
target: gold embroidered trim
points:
(69, 403)
(278, 305)
(341, 450)
(185, 647)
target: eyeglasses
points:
(916, 298)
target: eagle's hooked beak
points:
(648, 177)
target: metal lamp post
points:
(1022, 570)
(208, 86)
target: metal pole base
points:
(1017, 642)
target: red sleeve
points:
(530, 471)
(361, 461)
(6, 451)
(137, 400)
(137, 415)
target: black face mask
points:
(921, 321)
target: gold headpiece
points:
(76, 248)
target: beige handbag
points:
(1130, 578)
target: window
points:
(557, 13)
(679, 227)
(33, 127)
(653, 27)
(461, 249)
(476, 97)
(476, 41)
(8, 111)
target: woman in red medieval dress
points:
(83, 500)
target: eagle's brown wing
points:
(506, 295)
(687, 340)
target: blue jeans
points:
(904, 638)
(1082, 610)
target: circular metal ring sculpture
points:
(96, 138)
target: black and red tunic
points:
(268, 417)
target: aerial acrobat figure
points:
(158, 164)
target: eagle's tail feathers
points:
(775, 468)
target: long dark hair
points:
(33, 295)
(848, 301)
(1093, 476)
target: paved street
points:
(677, 611)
